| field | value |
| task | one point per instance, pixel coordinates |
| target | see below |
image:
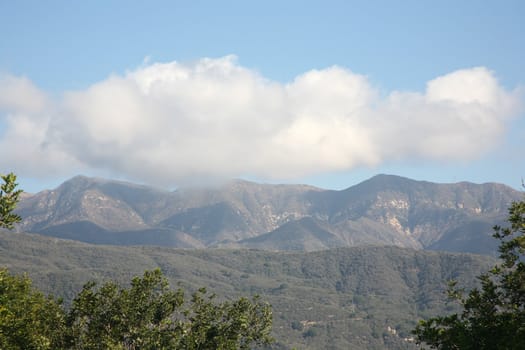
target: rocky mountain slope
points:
(384, 210)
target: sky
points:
(328, 93)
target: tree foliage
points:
(9, 197)
(146, 315)
(28, 319)
(138, 317)
(493, 316)
(229, 325)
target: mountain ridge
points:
(383, 210)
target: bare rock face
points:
(79, 199)
(384, 210)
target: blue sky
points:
(327, 93)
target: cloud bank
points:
(169, 123)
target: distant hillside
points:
(345, 298)
(384, 210)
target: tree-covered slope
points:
(358, 298)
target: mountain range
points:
(325, 260)
(383, 210)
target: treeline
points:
(145, 315)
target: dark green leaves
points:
(147, 315)
(138, 317)
(493, 315)
(28, 320)
(228, 325)
(9, 197)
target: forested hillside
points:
(358, 298)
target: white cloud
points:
(25, 115)
(165, 123)
(19, 93)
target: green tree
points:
(229, 325)
(9, 197)
(493, 316)
(28, 319)
(148, 315)
(138, 317)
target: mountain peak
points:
(82, 182)
(79, 182)
(392, 180)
